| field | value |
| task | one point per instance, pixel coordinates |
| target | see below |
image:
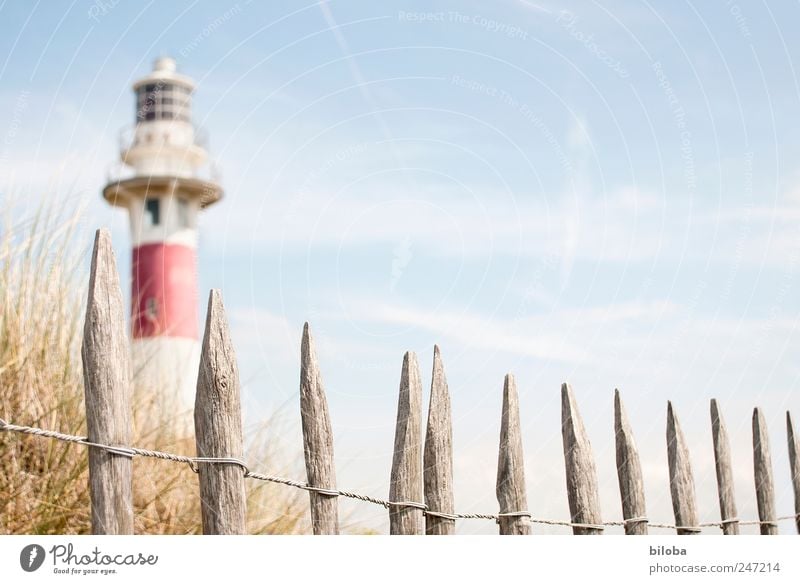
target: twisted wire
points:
(194, 462)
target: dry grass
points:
(44, 483)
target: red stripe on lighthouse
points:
(164, 300)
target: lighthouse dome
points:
(166, 64)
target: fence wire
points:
(194, 461)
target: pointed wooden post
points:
(762, 471)
(629, 472)
(722, 459)
(107, 391)
(794, 465)
(511, 494)
(317, 440)
(406, 478)
(681, 480)
(218, 427)
(438, 459)
(584, 505)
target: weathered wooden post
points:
(722, 459)
(317, 440)
(681, 480)
(406, 477)
(107, 391)
(511, 494)
(438, 459)
(794, 466)
(584, 505)
(218, 428)
(762, 471)
(629, 472)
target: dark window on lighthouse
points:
(151, 206)
(151, 308)
(146, 102)
(163, 101)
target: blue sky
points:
(601, 193)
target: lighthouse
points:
(163, 183)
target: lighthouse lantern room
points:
(163, 187)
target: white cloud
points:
(551, 336)
(444, 222)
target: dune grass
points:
(44, 483)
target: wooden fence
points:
(421, 486)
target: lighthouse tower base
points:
(164, 381)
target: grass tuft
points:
(44, 483)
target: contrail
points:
(363, 88)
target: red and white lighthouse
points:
(163, 188)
